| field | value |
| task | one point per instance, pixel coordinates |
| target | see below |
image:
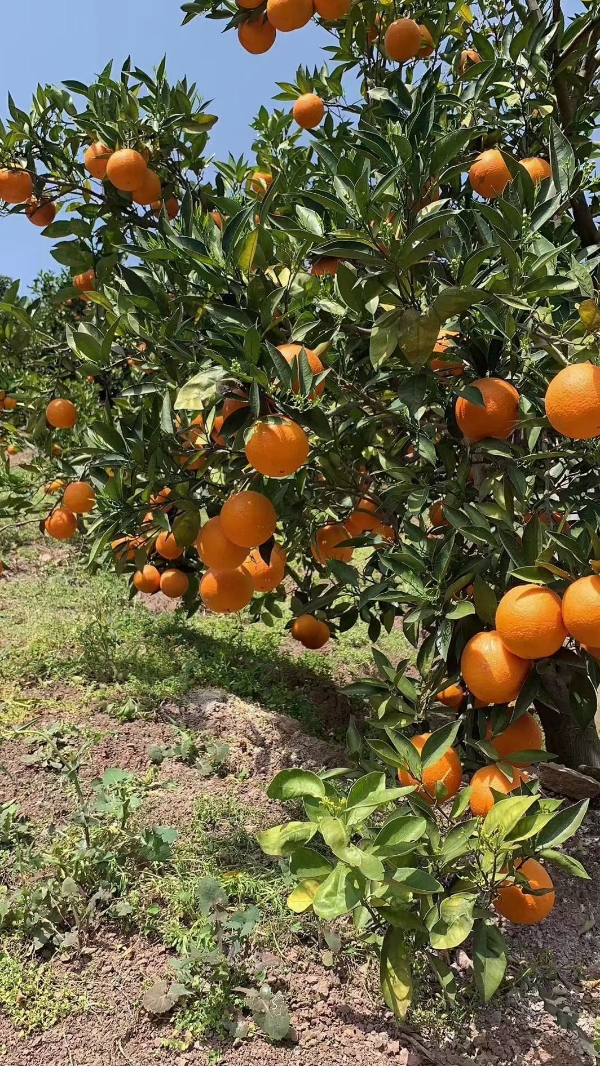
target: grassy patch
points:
(32, 995)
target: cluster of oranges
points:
(257, 33)
(16, 187)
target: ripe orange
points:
(403, 40)
(95, 159)
(447, 368)
(167, 546)
(486, 779)
(85, 282)
(427, 43)
(308, 111)
(62, 414)
(448, 770)
(467, 59)
(523, 735)
(147, 580)
(277, 448)
(230, 406)
(256, 36)
(266, 576)
(292, 351)
(171, 205)
(248, 5)
(60, 524)
(227, 591)
(215, 550)
(41, 212)
(581, 610)
(248, 519)
(126, 547)
(54, 486)
(499, 415)
(286, 15)
(529, 621)
(79, 497)
(260, 181)
(451, 696)
(537, 168)
(310, 631)
(16, 186)
(489, 174)
(12, 450)
(217, 217)
(327, 264)
(327, 540)
(364, 519)
(573, 401)
(521, 907)
(332, 9)
(9, 403)
(491, 672)
(158, 499)
(149, 189)
(436, 514)
(174, 583)
(126, 169)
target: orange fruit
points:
(332, 9)
(286, 15)
(215, 550)
(403, 39)
(427, 43)
(573, 401)
(308, 111)
(149, 190)
(62, 414)
(126, 547)
(523, 735)
(266, 576)
(230, 406)
(260, 181)
(171, 205)
(489, 174)
(85, 282)
(79, 497)
(16, 185)
(60, 524)
(248, 519)
(327, 264)
(364, 519)
(467, 59)
(327, 540)
(499, 415)
(537, 168)
(486, 779)
(12, 450)
(167, 546)
(451, 696)
(444, 340)
(581, 610)
(447, 368)
(95, 159)
(147, 580)
(216, 216)
(521, 907)
(248, 5)
(174, 583)
(529, 620)
(54, 486)
(256, 36)
(161, 497)
(277, 448)
(491, 672)
(436, 514)
(291, 352)
(310, 631)
(448, 770)
(227, 591)
(126, 169)
(9, 403)
(41, 212)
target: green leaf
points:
(485, 600)
(562, 159)
(395, 972)
(284, 839)
(339, 893)
(505, 814)
(445, 977)
(450, 921)
(307, 863)
(533, 574)
(288, 784)
(335, 835)
(417, 335)
(384, 338)
(563, 825)
(489, 958)
(416, 880)
(565, 862)
(186, 527)
(455, 300)
(399, 830)
(246, 251)
(303, 896)
(201, 390)
(438, 743)
(364, 796)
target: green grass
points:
(32, 995)
(66, 624)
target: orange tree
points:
(377, 337)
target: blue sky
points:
(76, 41)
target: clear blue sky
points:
(78, 40)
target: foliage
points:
(205, 755)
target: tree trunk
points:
(573, 746)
